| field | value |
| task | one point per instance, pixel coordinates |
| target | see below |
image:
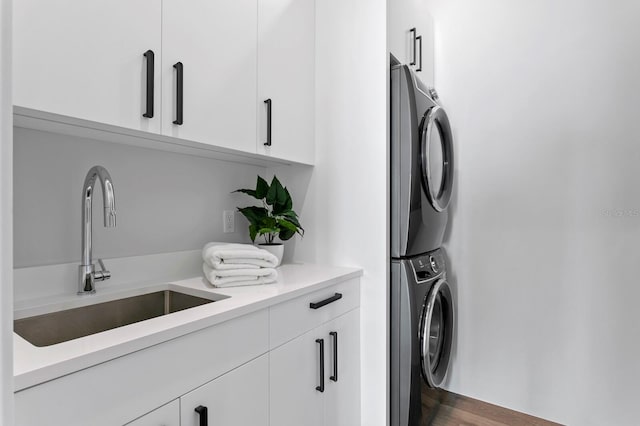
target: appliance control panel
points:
(429, 266)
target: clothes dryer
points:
(421, 166)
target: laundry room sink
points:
(61, 326)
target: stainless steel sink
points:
(57, 327)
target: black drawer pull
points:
(316, 305)
(179, 92)
(334, 334)
(412, 31)
(268, 142)
(204, 415)
(321, 387)
(150, 82)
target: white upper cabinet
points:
(286, 77)
(415, 48)
(216, 42)
(195, 70)
(85, 59)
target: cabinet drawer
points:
(295, 317)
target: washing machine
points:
(421, 302)
(421, 169)
(422, 326)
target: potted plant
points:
(274, 218)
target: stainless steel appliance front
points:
(422, 326)
(421, 166)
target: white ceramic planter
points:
(276, 249)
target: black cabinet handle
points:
(204, 415)
(412, 31)
(179, 92)
(320, 304)
(420, 63)
(334, 334)
(268, 142)
(321, 387)
(150, 82)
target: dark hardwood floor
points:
(448, 409)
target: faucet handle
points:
(102, 274)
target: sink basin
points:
(57, 327)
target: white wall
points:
(165, 201)
(6, 229)
(543, 97)
(299, 182)
(350, 178)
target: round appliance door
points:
(436, 333)
(437, 157)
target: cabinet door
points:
(294, 374)
(85, 58)
(167, 415)
(399, 22)
(342, 396)
(403, 15)
(216, 43)
(237, 398)
(426, 29)
(286, 76)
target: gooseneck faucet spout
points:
(88, 275)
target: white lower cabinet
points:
(293, 377)
(342, 394)
(123, 389)
(167, 415)
(296, 363)
(238, 398)
(314, 379)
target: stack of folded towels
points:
(229, 265)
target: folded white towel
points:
(237, 256)
(239, 277)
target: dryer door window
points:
(436, 333)
(437, 157)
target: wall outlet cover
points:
(228, 221)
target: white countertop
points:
(34, 365)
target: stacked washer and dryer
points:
(422, 307)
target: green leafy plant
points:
(276, 216)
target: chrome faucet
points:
(88, 275)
